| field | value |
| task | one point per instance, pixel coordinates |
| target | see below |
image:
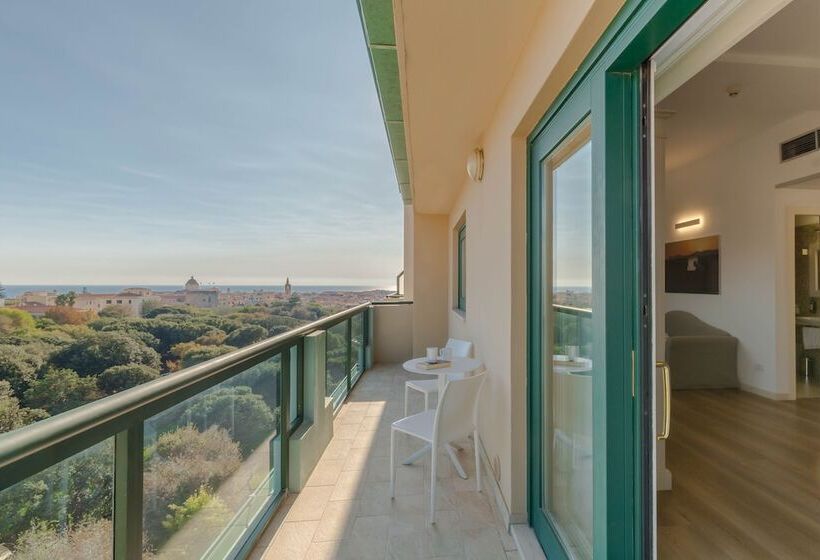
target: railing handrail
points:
(569, 310)
(39, 445)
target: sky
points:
(572, 225)
(240, 142)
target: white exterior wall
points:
(495, 215)
(733, 190)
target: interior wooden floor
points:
(745, 478)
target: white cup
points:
(572, 353)
(432, 354)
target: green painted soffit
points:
(380, 36)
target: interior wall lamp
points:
(688, 223)
(475, 165)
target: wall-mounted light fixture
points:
(475, 165)
(688, 223)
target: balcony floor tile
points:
(345, 511)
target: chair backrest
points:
(460, 348)
(683, 323)
(457, 410)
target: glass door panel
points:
(566, 349)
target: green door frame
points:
(607, 88)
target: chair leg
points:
(477, 462)
(433, 464)
(426, 401)
(406, 397)
(392, 464)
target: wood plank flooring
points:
(745, 478)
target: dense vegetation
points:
(71, 357)
(68, 358)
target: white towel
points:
(811, 338)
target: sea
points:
(13, 290)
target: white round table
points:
(457, 366)
(579, 366)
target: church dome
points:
(192, 284)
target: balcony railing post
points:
(284, 417)
(128, 457)
(349, 360)
(369, 330)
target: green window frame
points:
(461, 263)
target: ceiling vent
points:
(804, 144)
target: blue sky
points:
(143, 142)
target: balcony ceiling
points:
(455, 59)
(459, 56)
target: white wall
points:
(430, 272)
(733, 191)
(496, 233)
(393, 333)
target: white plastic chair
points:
(456, 416)
(459, 349)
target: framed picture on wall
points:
(693, 266)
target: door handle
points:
(667, 400)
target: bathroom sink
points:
(808, 320)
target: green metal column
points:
(349, 361)
(369, 329)
(284, 417)
(128, 458)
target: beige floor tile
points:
(357, 406)
(292, 541)
(348, 486)
(356, 460)
(336, 521)
(326, 473)
(327, 550)
(483, 543)
(409, 480)
(365, 440)
(409, 546)
(376, 409)
(375, 499)
(445, 537)
(336, 449)
(310, 503)
(350, 416)
(373, 423)
(345, 431)
(346, 510)
(372, 527)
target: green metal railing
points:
(572, 326)
(135, 420)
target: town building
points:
(130, 299)
(41, 297)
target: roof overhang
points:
(440, 70)
(380, 35)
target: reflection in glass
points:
(212, 463)
(336, 362)
(64, 511)
(567, 347)
(294, 411)
(357, 346)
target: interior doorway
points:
(735, 114)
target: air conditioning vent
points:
(804, 144)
